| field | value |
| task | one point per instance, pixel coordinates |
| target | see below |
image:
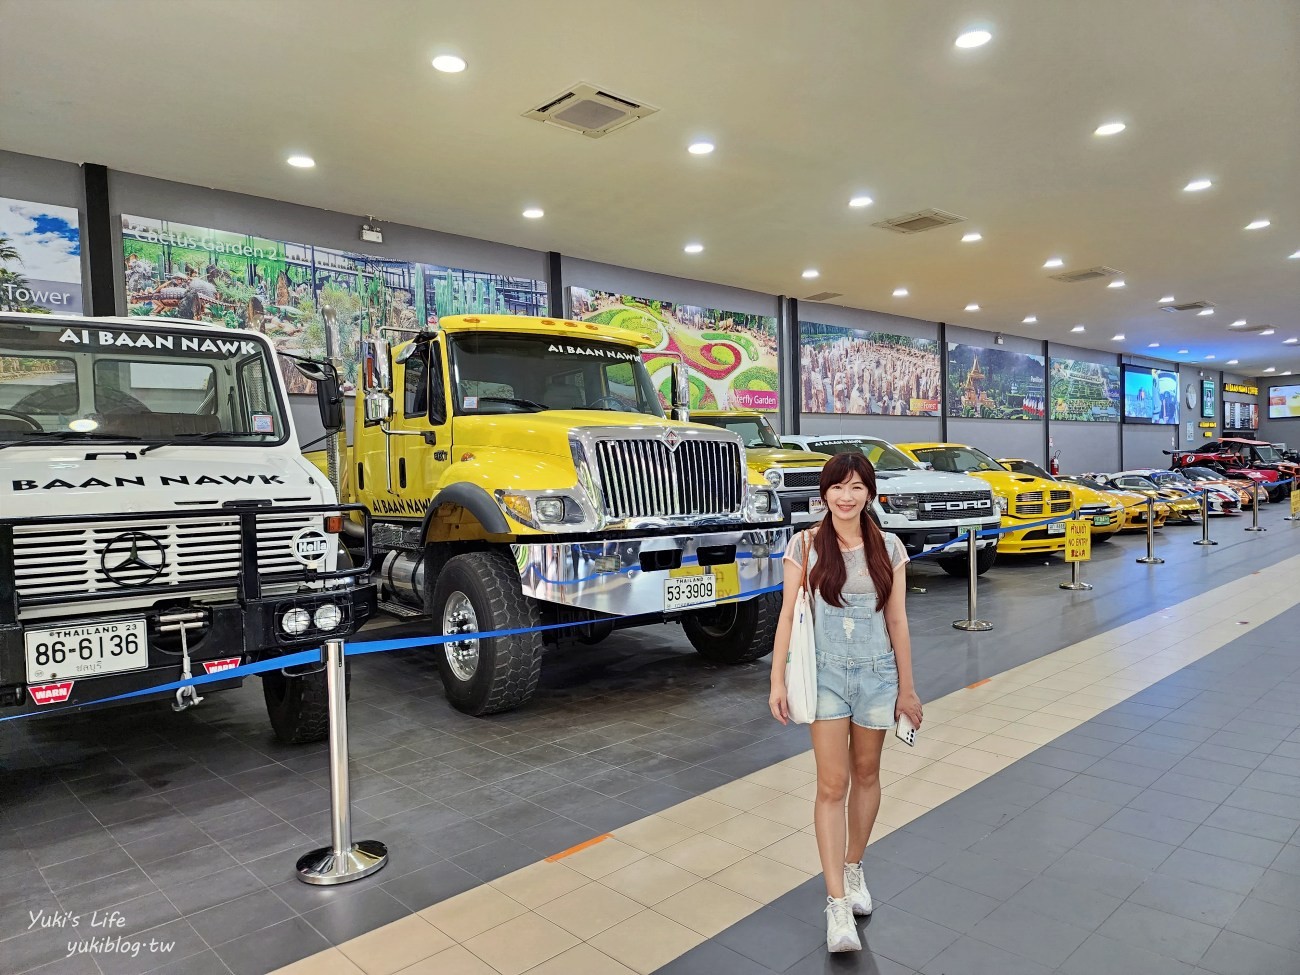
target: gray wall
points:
(999, 438)
(40, 180)
(1085, 446)
(896, 429)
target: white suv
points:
(923, 508)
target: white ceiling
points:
(808, 104)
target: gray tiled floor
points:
(192, 822)
(1118, 864)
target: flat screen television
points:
(1150, 395)
(1283, 402)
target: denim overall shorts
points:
(857, 675)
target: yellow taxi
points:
(1104, 512)
(1021, 498)
(1133, 504)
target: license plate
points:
(1056, 528)
(689, 591)
(1101, 521)
(85, 650)
(816, 507)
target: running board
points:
(397, 609)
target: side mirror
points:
(681, 391)
(329, 395)
(379, 406)
(378, 365)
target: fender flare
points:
(473, 499)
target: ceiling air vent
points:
(1087, 274)
(824, 296)
(1253, 328)
(589, 110)
(922, 220)
(1188, 306)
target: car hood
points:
(765, 457)
(1009, 483)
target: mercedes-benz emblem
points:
(133, 559)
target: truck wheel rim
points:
(719, 621)
(458, 617)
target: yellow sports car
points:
(1022, 498)
(1104, 511)
(1183, 507)
(1133, 504)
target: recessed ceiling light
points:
(1182, 351)
(900, 292)
(1258, 224)
(1077, 328)
(972, 307)
(812, 273)
(301, 162)
(1268, 331)
(1030, 320)
(693, 248)
(449, 63)
(1117, 338)
(1166, 300)
(1233, 362)
(971, 237)
(1205, 311)
(1286, 372)
(1153, 345)
(1053, 262)
(1196, 185)
(1290, 341)
(1295, 256)
(861, 201)
(1271, 369)
(1116, 284)
(1238, 323)
(1209, 357)
(974, 38)
(534, 213)
(700, 148)
(1110, 128)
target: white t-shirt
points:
(855, 561)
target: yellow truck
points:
(795, 475)
(521, 473)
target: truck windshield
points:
(753, 430)
(1028, 467)
(82, 378)
(883, 456)
(506, 373)
(958, 460)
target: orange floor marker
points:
(579, 848)
(978, 683)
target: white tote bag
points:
(801, 660)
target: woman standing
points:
(856, 575)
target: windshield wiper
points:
(63, 436)
(526, 403)
(209, 435)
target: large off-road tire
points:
(480, 592)
(299, 705)
(735, 632)
(959, 566)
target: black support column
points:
(555, 283)
(102, 299)
(787, 324)
(943, 382)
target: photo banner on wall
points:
(732, 355)
(278, 288)
(40, 258)
(995, 384)
(1083, 390)
(846, 370)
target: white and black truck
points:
(158, 519)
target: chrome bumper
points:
(607, 577)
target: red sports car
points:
(1235, 457)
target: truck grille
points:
(1032, 502)
(69, 561)
(1061, 501)
(801, 479)
(961, 500)
(644, 479)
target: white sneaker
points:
(841, 931)
(855, 890)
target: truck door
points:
(419, 461)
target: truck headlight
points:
(327, 617)
(543, 510)
(907, 505)
(764, 502)
(295, 622)
(549, 509)
(1001, 502)
(773, 476)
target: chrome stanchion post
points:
(342, 860)
(971, 622)
(1205, 521)
(1254, 511)
(1151, 535)
(1075, 583)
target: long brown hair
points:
(828, 575)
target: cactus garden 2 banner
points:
(995, 384)
(732, 355)
(279, 288)
(845, 370)
(40, 258)
(1083, 390)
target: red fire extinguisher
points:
(1056, 463)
